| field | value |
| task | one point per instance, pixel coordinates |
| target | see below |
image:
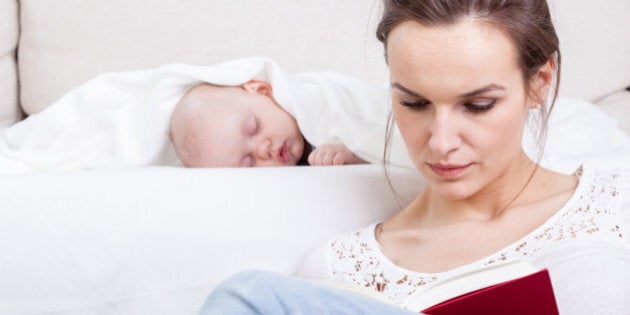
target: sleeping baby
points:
(200, 116)
(243, 126)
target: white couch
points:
(157, 240)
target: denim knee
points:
(246, 281)
(263, 292)
(246, 292)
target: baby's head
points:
(234, 126)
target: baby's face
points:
(250, 132)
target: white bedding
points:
(155, 240)
(579, 133)
(122, 119)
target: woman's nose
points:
(444, 136)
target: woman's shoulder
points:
(594, 211)
(600, 188)
(603, 196)
(593, 177)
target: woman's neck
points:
(521, 183)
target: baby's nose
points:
(263, 149)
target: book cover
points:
(511, 288)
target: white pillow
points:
(618, 106)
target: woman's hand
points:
(333, 154)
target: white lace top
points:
(585, 246)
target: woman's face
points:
(460, 103)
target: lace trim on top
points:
(590, 213)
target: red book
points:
(511, 288)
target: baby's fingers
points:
(339, 159)
(323, 156)
(313, 157)
(318, 157)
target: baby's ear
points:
(258, 87)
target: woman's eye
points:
(415, 105)
(480, 107)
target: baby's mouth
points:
(283, 154)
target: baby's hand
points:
(333, 154)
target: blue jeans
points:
(260, 292)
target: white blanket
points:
(122, 119)
(578, 133)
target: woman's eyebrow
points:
(487, 88)
(398, 86)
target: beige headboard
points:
(66, 42)
(595, 43)
(63, 43)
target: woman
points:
(464, 77)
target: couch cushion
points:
(9, 30)
(618, 106)
(112, 242)
(65, 43)
(594, 43)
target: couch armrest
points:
(9, 30)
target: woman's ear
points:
(258, 87)
(540, 83)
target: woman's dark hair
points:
(527, 23)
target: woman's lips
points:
(448, 170)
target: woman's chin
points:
(452, 190)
